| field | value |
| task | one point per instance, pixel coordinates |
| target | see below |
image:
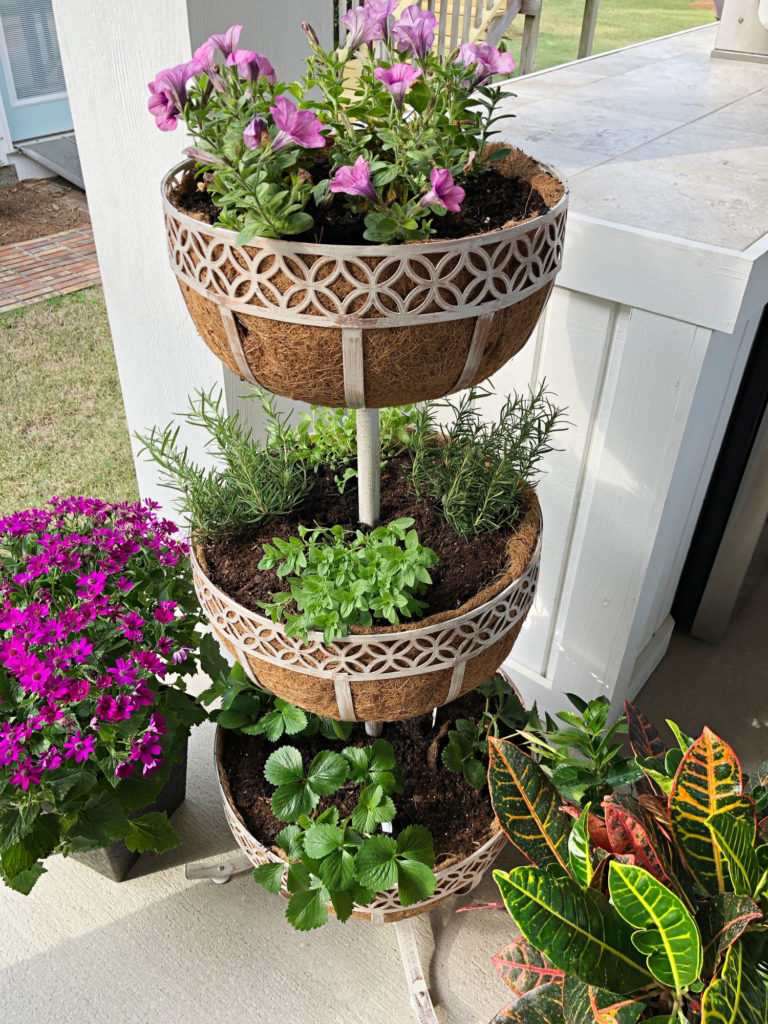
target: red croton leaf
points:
(597, 832)
(629, 835)
(523, 967)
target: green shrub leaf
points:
(708, 781)
(151, 831)
(527, 805)
(739, 995)
(542, 1006)
(576, 929)
(666, 932)
(270, 876)
(523, 967)
(375, 863)
(327, 772)
(585, 1004)
(735, 837)
(721, 920)
(415, 881)
(284, 766)
(579, 853)
(307, 908)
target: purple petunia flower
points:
(253, 133)
(362, 28)
(225, 41)
(205, 57)
(354, 181)
(79, 747)
(124, 770)
(415, 31)
(381, 11)
(398, 80)
(251, 66)
(204, 158)
(296, 127)
(169, 94)
(443, 192)
(486, 60)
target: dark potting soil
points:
(458, 816)
(465, 566)
(491, 201)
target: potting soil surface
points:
(491, 200)
(458, 816)
(465, 566)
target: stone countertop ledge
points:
(659, 136)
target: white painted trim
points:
(649, 659)
(6, 143)
(700, 284)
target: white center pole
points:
(369, 487)
(368, 466)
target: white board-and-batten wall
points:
(634, 341)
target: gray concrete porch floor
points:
(83, 950)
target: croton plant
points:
(647, 906)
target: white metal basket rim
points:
(287, 248)
(357, 638)
(342, 255)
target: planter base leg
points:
(414, 973)
(374, 728)
(220, 870)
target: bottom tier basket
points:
(456, 879)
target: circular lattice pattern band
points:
(375, 676)
(362, 286)
(367, 325)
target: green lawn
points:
(63, 428)
(619, 23)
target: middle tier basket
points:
(390, 673)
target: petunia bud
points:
(312, 35)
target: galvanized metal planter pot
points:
(393, 673)
(116, 860)
(372, 325)
(455, 879)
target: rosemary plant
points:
(254, 482)
(477, 472)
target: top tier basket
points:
(372, 325)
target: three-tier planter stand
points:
(368, 327)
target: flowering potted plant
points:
(378, 624)
(98, 628)
(645, 904)
(355, 239)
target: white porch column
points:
(109, 56)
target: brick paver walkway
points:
(43, 267)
